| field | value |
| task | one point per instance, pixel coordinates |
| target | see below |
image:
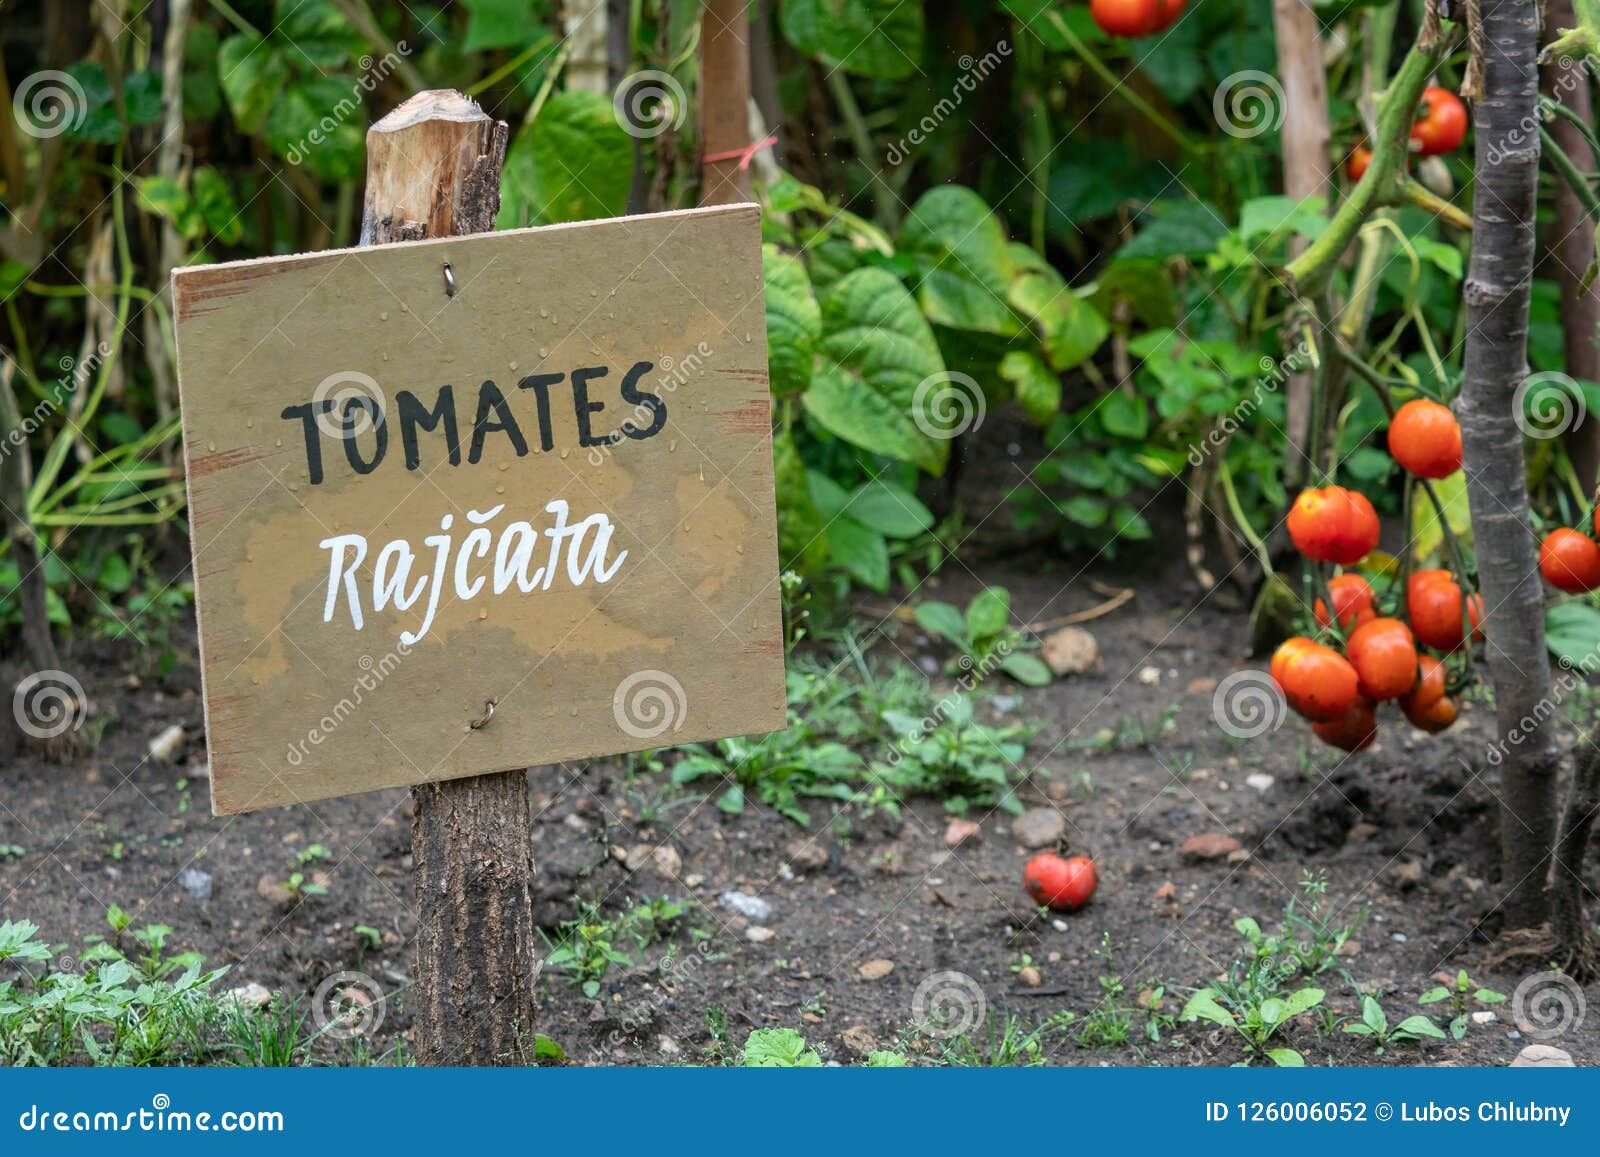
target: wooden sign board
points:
(550, 490)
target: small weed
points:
(1374, 1023)
(1461, 995)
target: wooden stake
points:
(433, 170)
(724, 97)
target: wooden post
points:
(724, 97)
(433, 170)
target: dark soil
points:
(1404, 831)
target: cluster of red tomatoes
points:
(1340, 693)
(1439, 128)
(1135, 18)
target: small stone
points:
(1167, 891)
(1349, 948)
(196, 883)
(751, 907)
(1238, 856)
(1201, 685)
(668, 1047)
(929, 665)
(807, 854)
(1039, 827)
(858, 1038)
(1070, 651)
(1484, 1016)
(1028, 977)
(1059, 925)
(1408, 875)
(164, 747)
(1259, 780)
(576, 822)
(756, 934)
(1150, 676)
(1005, 704)
(875, 969)
(959, 831)
(1398, 938)
(1209, 846)
(667, 861)
(250, 995)
(1543, 1057)
(275, 891)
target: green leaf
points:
(1037, 387)
(778, 1048)
(574, 162)
(876, 350)
(1176, 229)
(961, 252)
(1124, 416)
(166, 198)
(1419, 1026)
(498, 24)
(1203, 1006)
(861, 552)
(889, 510)
(1264, 216)
(1572, 633)
(794, 321)
(214, 200)
(1426, 536)
(877, 38)
(548, 1049)
(829, 496)
(1372, 1015)
(1287, 1058)
(1027, 669)
(303, 131)
(253, 74)
(801, 543)
(1434, 996)
(943, 619)
(988, 613)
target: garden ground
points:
(862, 909)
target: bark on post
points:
(433, 170)
(1570, 241)
(16, 475)
(724, 95)
(1497, 290)
(1305, 136)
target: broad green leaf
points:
(1287, 1058)
(944, 620)
(829, 496)
(961, 253)
(574, 162)
(1123, 415)
(253, 74)
(1175, 229)
(1267, 215)
(1572, 634)
(499, 24)
(889, 510)
(216, 204)
(1419, 1026)
(801, 543)
(1203, 1006)
(860, 551)
(877, 38)
(167, 199)
(782, 1048)
(876, 350)
(989, 612)
(1373, 1016)
(794, 322)
(1426, 535)
(302, 130)
(1037, 387)
(1027, 669)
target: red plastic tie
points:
(745, 154)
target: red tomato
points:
(1425, 438)
(1385, 658)
(1170, 11)
(1433, 604)
(1427, 705)
(1333, 525)
(1317, 681)
(1063, 884)
(1352, 601)
(1570, 561)
(1355, 166)
(1132, 18)
(1442, 125)
(1353, 730)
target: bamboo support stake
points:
(433, 170)
(724, 97)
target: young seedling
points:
(1461, 995)
(1374, 1023)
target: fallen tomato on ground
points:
(1058, 882)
